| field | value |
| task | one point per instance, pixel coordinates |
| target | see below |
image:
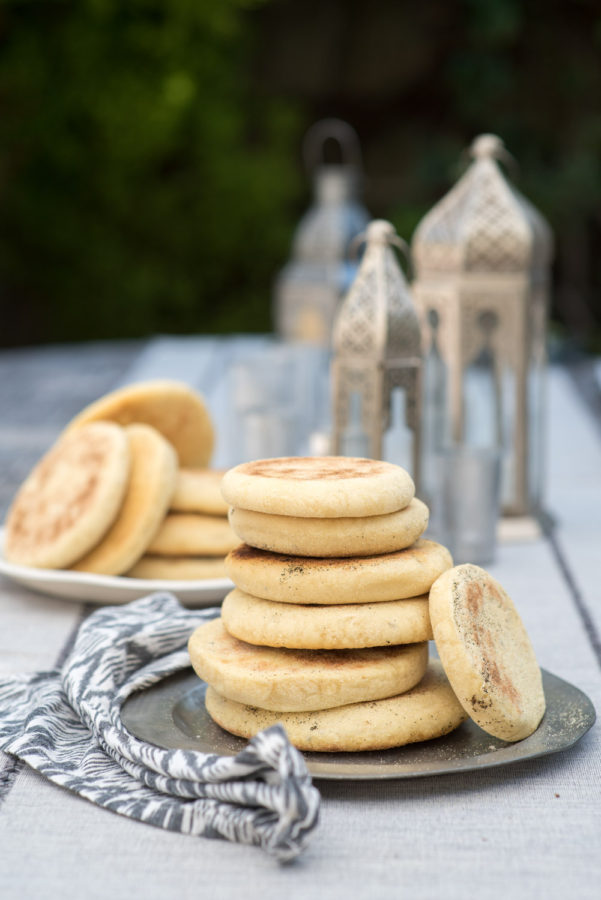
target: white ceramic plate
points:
(88, 588)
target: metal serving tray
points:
(172, 714)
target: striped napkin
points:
(66, 723)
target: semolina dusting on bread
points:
(293, 680)
(486, 653)
(356, 536)
(429, 710)
(340, 627)
(355, 579)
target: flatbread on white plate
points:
(192, 534)
(178, 568)
(199, 490)
(149, 490)
(70, 499)
(172, 407)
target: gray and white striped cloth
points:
(67, 725)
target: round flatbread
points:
(318, 486)
(164, 568)
(359, 579)
(173, 408)
(190, 534)
(151, 484)
(486, 653)
(296, 680)
(199, 490)
(427, 711)
(359, 536)
(70, 498)
(343, 627)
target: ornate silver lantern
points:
(377, 359)
(482, 257)
(309, 288)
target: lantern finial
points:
(487, 145)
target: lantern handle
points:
(490, 146)
(335, 129)
(391, 238)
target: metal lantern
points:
(309, 288)
(482, 258)
(376, 343)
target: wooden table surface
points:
(529, 830)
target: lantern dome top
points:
(377, 319)
(336, 214)
(483, 224)
(335, 218)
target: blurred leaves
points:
(149, 150)
(142, 185)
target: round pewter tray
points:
(172, 714)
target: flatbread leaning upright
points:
(486, 652)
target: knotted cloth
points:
(66, 723)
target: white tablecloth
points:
(529, 830)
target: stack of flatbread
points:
(327, 629)
(336, 598)
(195, 535)
(125, 491)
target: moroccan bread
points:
(297, 680)
(338, 627)
(199, 490)
(151, 484)
(318, 486)
(173, 408)
(427, 711)
(359, 579)
(70, 499)
(192, 534)
(486, 653)
(183, 568)
(356, 536)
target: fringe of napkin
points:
(66, 723)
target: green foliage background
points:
(142, 182)
(150, 174)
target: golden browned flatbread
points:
(486, 653)
(199, 490)
(173, 408)
(301, 679)
(151, 484)
(190, 534)
(70, 499)
(357, 536)
(427, 711)
(318, 486)
(183, 568)
(347, 626)
(356, 579)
